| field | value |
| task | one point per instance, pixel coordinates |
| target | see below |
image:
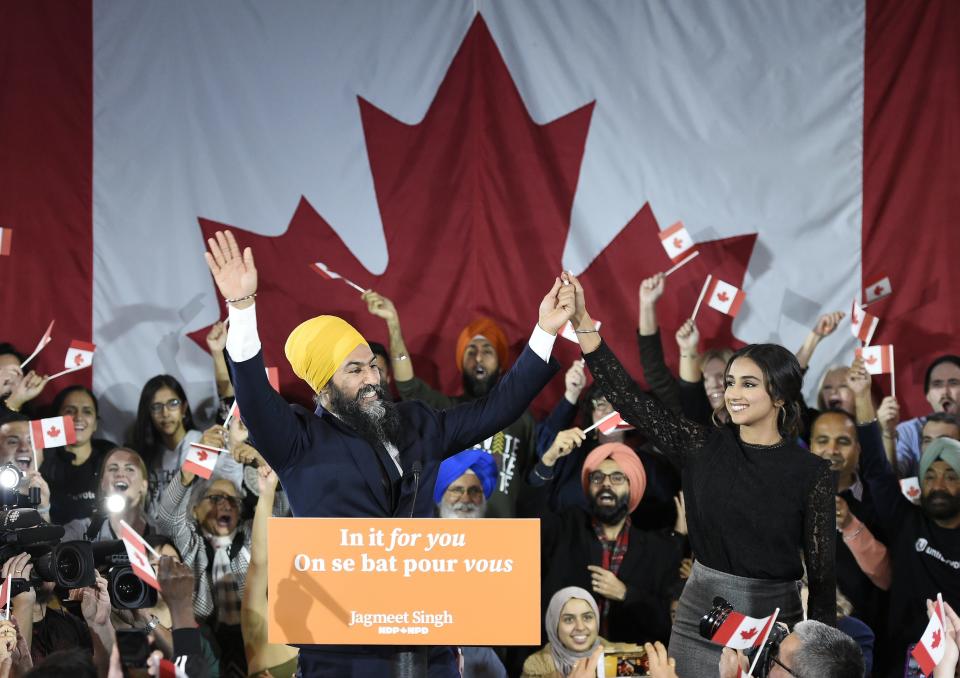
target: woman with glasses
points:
(755, 500)
(164, 431)
(216, 545)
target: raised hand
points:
(266, 479)
(574, 380)
(26, 389)
(888, 414)
(234, 273)
(827, 323)
(858, 379)
(215, 436)
(661, 664)
(380, 306)
(651, 289)
(843, 513)
(217, 337)
(587, 667)
(557, 307)
(565, 443)
(680, 526)
(95, 603)
(688, 337)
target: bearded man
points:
(358, 454)
(629, 571)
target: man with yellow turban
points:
(360, 455)
(481, 355)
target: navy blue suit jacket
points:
(327, 470)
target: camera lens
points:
(72, 564)
(127, 591)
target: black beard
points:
(379, 424)
(943, 511)
(477, 388)
(609, 515)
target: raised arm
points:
(688, 341)
(277, 430)
(871, 555)
(471, 422)
(819, 547)
(217, 342)
(674, 435)
(826, 324)
(400, 361)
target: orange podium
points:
(404, 581)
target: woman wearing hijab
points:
(573, 622)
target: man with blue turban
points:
(464, 483)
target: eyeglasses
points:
(473, 492)
(775, 660)
(616, 478)
(217, 498)
(172, 404)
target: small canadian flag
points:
(201, 459)
(569, 333)
(79, 354)
(6, 235)
(724, 297)
(137, 554)
(862, 324)
(324, 272)
(877, 359)
(611, 423)
(741, 632)
(929, 651)
(877, 290)
(52, 432)
(676, 241)
(911, 489)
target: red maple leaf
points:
(935, 639)
(53, 432)
(878, 290)
(678, 242)
(723, 296)
(747, 635)
(201, 454)
(870, 360)
(78, 359)
(477, 232)
(913, 491)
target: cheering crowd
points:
(718, 481)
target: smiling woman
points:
(748, 555)
(73, 471)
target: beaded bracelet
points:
(249, 296)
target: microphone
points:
(415, 469)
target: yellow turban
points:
(318, 346)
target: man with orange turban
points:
(360, 455)
(481, 355)
(629, 571)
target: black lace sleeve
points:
(819, 548)
(674, 435)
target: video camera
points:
(70, 564)
(715, 616)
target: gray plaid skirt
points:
(697, 657)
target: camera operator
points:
(812, 650)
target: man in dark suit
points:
(358, 454)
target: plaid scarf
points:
(226, 593)
(613, 552)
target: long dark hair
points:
(145, 439)
(59, 399)
(783, 378)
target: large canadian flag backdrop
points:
(454, 156)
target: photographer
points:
(813, 650)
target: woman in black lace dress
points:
(755, 499)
